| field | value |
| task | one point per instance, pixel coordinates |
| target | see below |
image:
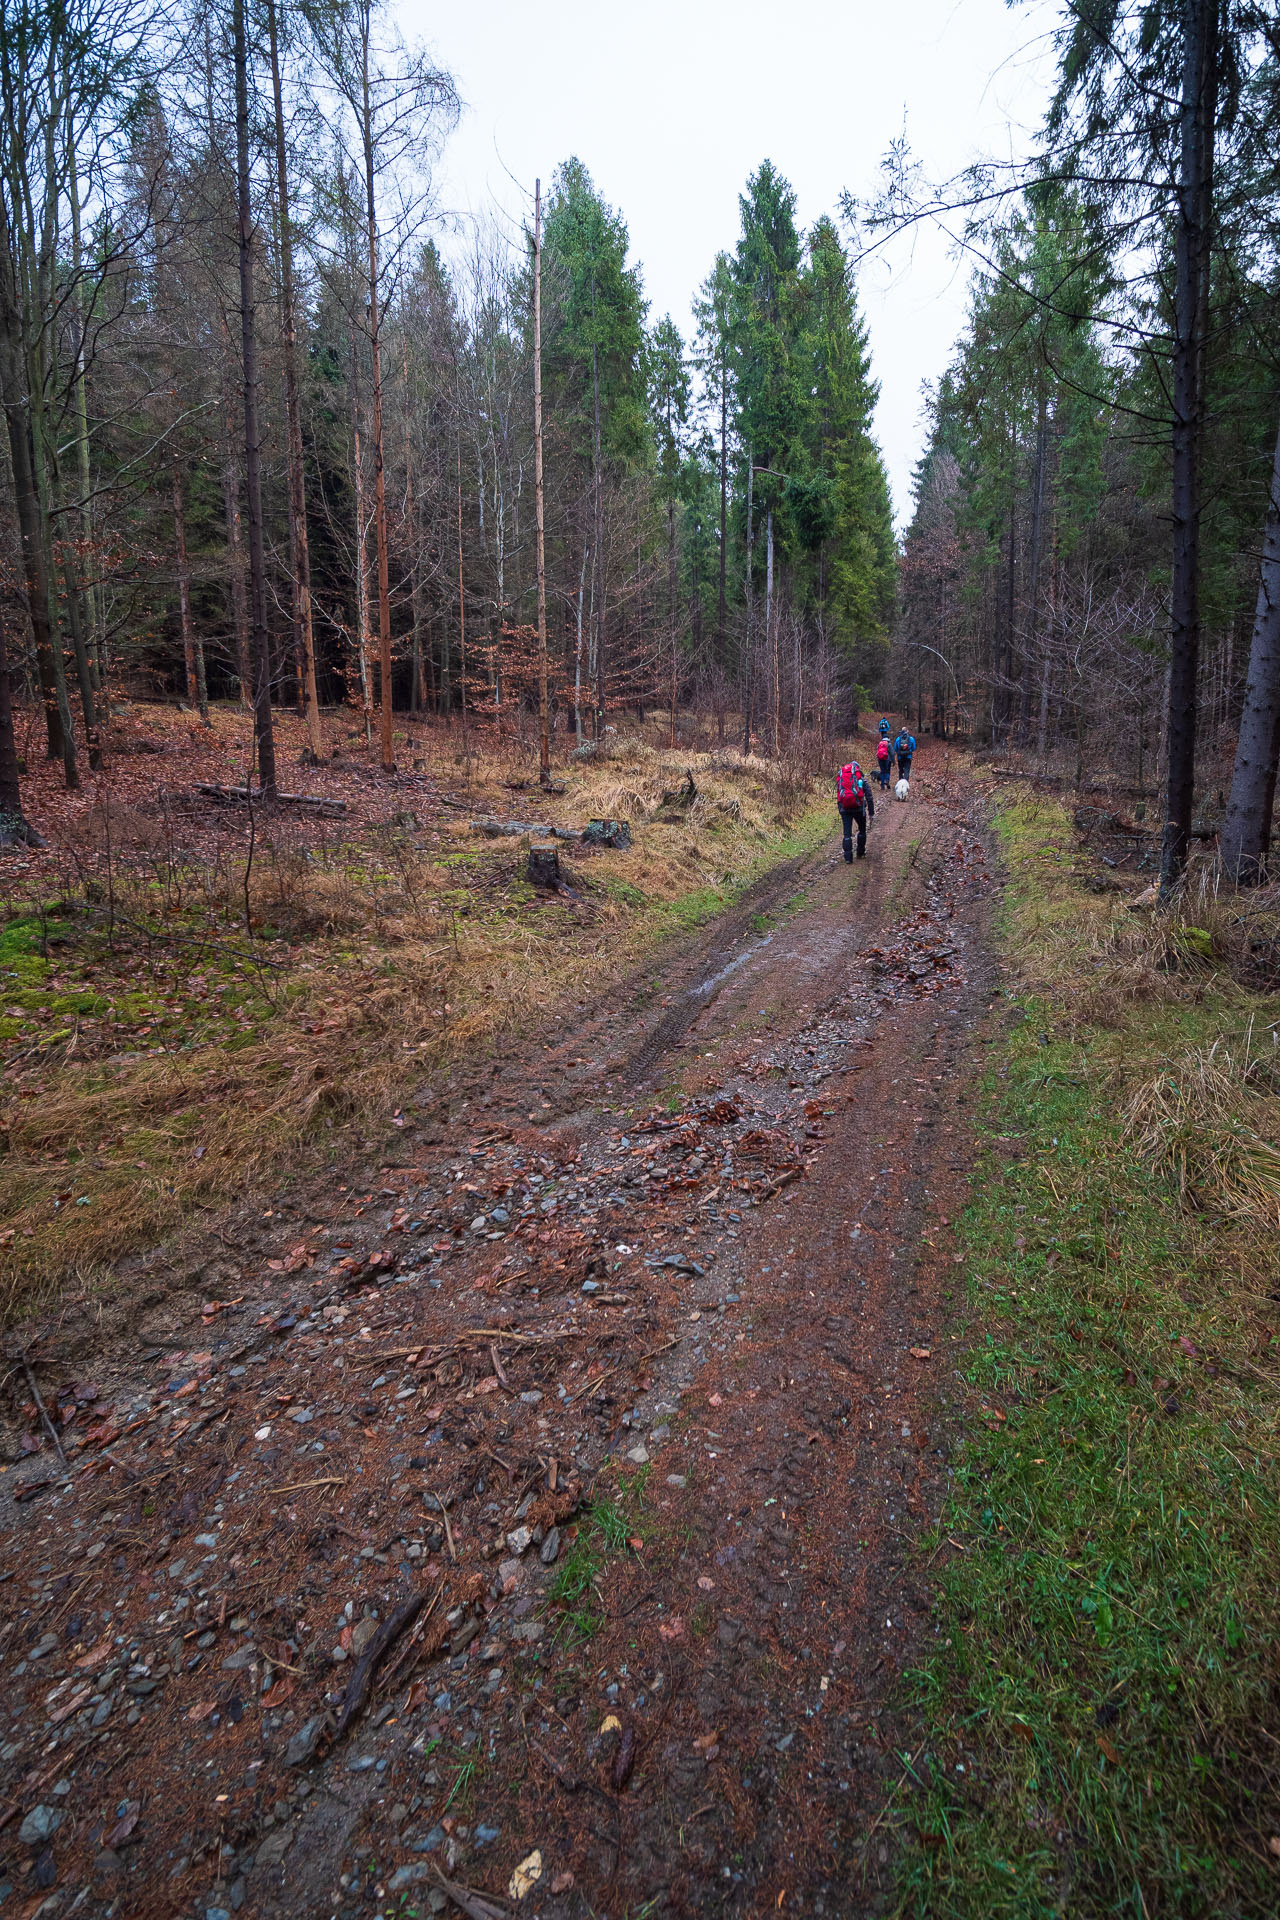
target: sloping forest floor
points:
(611, 1491)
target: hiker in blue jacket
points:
(904, 746)
(853, 798)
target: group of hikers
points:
(853, 789)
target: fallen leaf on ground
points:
(526, 1876)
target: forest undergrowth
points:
(191, 998)
(1100, 1722)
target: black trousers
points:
(847, 817)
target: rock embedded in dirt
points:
(40, 1825)
(550, 1547)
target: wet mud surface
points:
(531, 1525)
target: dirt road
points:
(594, 1434)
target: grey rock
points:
(302, 1746)
(302, 1416)
(360, 1762)
(550, 1547)
(527, 1630)
(410, 1876)
(430, 1842)
(40, 1825)
(274, 1848)
(245, 1656)
(520, 1539)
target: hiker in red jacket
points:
(853, 797)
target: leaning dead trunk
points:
(1247, 832)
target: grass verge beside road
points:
(1100, 1721)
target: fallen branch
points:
(480, 1906)
(367, 1665)
(51, 1430)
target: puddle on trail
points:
(707, 987)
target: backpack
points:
(849, 785)
(882, 751)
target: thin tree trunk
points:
(577, 658)
(770, 627)
(264, 735)
(462, 606)
(1191, 287)
(362, 559)
(1246, 834)
(598, 593)
(544, 707)
(235, 569)
(192, 646)
(300, 584)
(31, 538)
(724, 548)
(671, 608)
(748, 689)
(14, 825)
(379, 471)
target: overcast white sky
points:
(672, 104)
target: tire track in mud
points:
(722, 1292)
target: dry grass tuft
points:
(1211, 1119)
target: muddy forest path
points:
(555, 1489)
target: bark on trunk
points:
(1191, 287)
(303, 625)
(598, 593)
(192, 647)
(379, 471)
(544, 711)
(15, 828)
(264, 736)
(1247, 832)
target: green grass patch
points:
(605, 1531)
(1101, 1719)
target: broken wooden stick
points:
(367, 1665)
(43, 1411)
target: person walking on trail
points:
(853, 797)
(904, 747)
(885, 728)
(884, 761)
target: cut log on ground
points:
(517, 829)
(243, 796)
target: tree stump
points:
(544, 864)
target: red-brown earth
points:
(692, 1361)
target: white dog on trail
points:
(903, 790)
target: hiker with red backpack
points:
(853, 798)
(884, 759)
